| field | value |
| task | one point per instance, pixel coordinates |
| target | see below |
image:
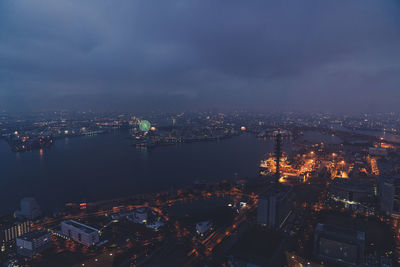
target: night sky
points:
(337, 56)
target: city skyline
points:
(199, 133)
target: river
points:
(91, 168)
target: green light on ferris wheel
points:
(144, 126)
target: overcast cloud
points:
(341, 55)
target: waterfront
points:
(106, 166)
(382, 134)
(317, 137)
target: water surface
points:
(106, 166)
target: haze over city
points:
(336, 56)
(199, 133)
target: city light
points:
(200, 133)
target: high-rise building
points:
(80, 233)
(33, 243)
(29, 209)
(389, 195)
(274, 206)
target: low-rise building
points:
(80, 233)
(33, 243)
(203, 228)
(339, 245)
(141, 215)
(350, 191)
(378, 151)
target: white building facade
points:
(32, 243)
(80, 233)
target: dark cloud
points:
(313, 55)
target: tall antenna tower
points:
(278, 155)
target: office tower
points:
(274, 206)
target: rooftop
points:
(80, 226)
(33, 235)
(203, 227)
(279, 191)
(9, 221)
(340, 231)
(350, 183)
